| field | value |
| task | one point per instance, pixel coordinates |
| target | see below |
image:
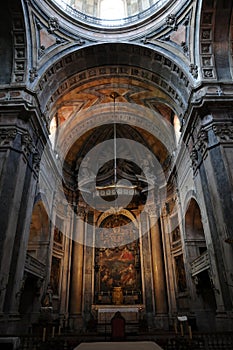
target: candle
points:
(190, 332)
(175, 327)
(181, 329)
(44, 334)
(53, 332)
(59, 330)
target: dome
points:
(111, 13)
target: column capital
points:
(81, 213)
(152, 211)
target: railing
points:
(206, 341)
(200, 264)
(34, 266)
(109, 22)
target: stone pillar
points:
(157, 264)
(76, 295)
(211, 154)
(146, 264)
(19, 162)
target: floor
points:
(144, 345)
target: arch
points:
(123, 212)
(133, 115)
(193, 222)
(39, 231)
(120, 60)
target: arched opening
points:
(35, 265)
(194, 228)
(39, 232)
(176, 123)
(200, 267)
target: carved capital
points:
(27, 144)
(36, 162)
(202, 140)
(194, 157)
(224, 132)
(7, 136)
(152, 211)
(81, 213)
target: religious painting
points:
(55, 275)
(58, 236)
(119, 266)
(180, 274)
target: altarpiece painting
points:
(118, 266)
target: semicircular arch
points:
(120, 60)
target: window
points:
(112, 9)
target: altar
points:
(104, 313)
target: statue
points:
(47, 298)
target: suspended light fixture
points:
(117, 187)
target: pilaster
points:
(20, 152)
(211, 154)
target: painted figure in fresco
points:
(126, 254)
(128, 275)
(106, 277)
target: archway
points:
(198, 257)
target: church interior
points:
(116, 172)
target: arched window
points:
(112, 9)
(176, 124)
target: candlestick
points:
(175, 327)
(44, 334)
(190, 332)
(181, 330)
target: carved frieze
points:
(206, 44)
(19, 58)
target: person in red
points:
(118, 327)
(126, 254)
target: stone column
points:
(157, 264)
(76, 295)
(19, 164)
(211, 154)
(146, 264)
